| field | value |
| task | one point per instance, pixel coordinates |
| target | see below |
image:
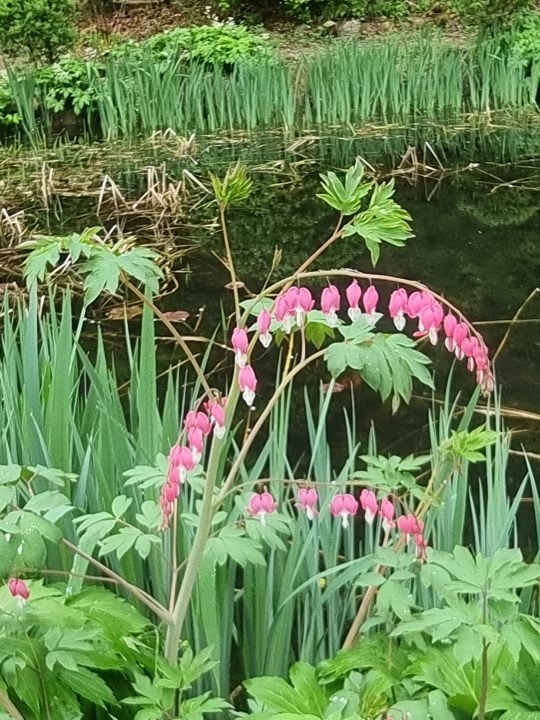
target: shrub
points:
(38, 29)
(525, 38)
(369, 9)
(489, 15)
(219, 43)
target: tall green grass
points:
(394, 80)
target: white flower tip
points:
(249, 397)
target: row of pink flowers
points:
(183, 458)
(429, 314)
(345, 506)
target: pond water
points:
(476, 218)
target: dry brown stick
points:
(9, 707)
(516, 317)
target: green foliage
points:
(524, 38)
(392, 473)
(57, 651)
(222, 44)
(66, 84)
(155, 696)
(234, 188)
(382, 221)
(304, 697)
(38, 29)
(104, 264)
(387, 363)
(489, 15)
(334, 9)
(469, 445)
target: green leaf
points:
(336, 359)
(383, 221)
(120, 543)
(370, 579)
(120, 505)
(147, 476)
(88, 685)
(304, 679)
(234, 188)
(9, 474)
(396, 597)
(45, 254)
(232, 543)
(318, 333)
(51, 503)
(346, 197)
(468, 646)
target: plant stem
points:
(230, 263)
(142, 596)
(181, 605)
(484, 688)
(485, 667)
(209, 504)
(174, 332)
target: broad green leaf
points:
(120, 505)
(396, 597)
(9, 474)
(468, 645)
(304, 679)
(346, 197)
(369, 579)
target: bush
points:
(37, 29)
(489, 15)
(309, 9)
(219, 43)
(525, 39)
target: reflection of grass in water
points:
(80, 169)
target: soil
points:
(141, 20)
